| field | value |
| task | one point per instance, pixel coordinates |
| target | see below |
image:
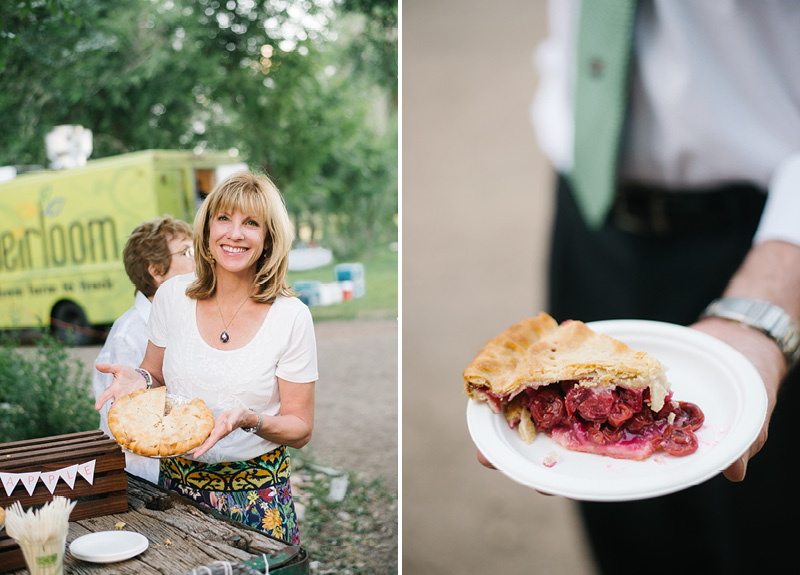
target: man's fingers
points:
(737, 471)
(485, 462)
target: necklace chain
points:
(224, 337)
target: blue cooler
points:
(352, 273)
(309, 292)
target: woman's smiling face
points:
(236, 240)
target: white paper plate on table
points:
(108, 546)
(702, 370)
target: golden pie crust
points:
(2, 515)
(539, 351)
(140, 423)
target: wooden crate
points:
(106, 495)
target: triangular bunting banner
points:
(86, 471)
(68, 474)
(49, 478)
(10, 481)
(29, 480)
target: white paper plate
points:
(108, 546)
(701, 369)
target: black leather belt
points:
(647, 210)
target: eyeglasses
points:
(188, 252)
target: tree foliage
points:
(304, 89)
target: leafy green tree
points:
(277, 80)
(375, 50)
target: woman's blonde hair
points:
(254, 195)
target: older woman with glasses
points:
(234, 336)
(156, 251)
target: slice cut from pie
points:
(142, 423)
(588, 391)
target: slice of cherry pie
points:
(588, 391)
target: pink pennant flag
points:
(29, 480)
(50, 479)
(86, 470)
(10, 481)
(68, 474)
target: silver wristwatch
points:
(763, 316)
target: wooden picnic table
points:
(184, 538)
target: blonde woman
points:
(234, 336)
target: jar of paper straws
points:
(41, 534)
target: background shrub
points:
(43, 391)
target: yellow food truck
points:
(62, 234)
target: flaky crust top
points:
(538, 351)
(139, 423)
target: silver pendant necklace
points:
(225, 337)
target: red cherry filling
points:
(614, 422)
(547, 408)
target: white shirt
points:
(284, 347)
(126, 344)
(715, 99)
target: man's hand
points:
(485, 462)
(768, 360)
(769, 272)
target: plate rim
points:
(613, 328)
(142, 545)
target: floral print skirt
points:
(255, 492)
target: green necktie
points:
(601, 85)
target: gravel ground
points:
(355, 425)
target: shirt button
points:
(596, 67)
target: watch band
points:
(258, 425)
(763, 316)
(146, 375)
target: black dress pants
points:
(718, 526)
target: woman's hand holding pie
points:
(126, 381)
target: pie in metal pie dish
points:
(145, 423)
(589, 392)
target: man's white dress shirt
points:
(715, 99)
(126, 344)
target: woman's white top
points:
(284, 347)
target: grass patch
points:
(381, 294)
(355, 536)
